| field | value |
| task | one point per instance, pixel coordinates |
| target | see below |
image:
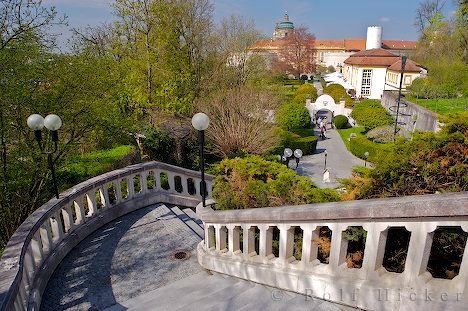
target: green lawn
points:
(91, 164)
(360, 145)
(347, 132)
(442, 106)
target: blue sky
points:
(327, 19)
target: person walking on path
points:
(319, 122)
(323, 129)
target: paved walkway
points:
(319, 88)
(340, 161)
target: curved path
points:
(340, 161)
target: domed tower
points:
(284, 28)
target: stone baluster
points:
(419, 250)
(36, 247)
(56, 226)
(118, 191)
(67, 218)
(79, 210)
(462, 279)
(338, 247)
(46, 236)
(308, 249)
(104, 195)
(197, 182)
(157, 180)
(170, 178)
(92, 205)
(220, 238)
(233, 238)
(184, 182)
(209, 189)
(130, 187)
(286, 244)
(209, 236)
(249, 241)
(266, 241)
(144, 182)
(375, 248)
(29, 267)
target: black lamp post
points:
(53, 123)
(366, 155)
(298, 156)
(403, 64)
(288, 154)
(200, 122)
(325, 166)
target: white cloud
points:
(385, 19)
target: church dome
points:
(285, 24)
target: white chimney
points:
(374, 37)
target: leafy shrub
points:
(341, 122)
(291, 116)
(381, 134)
(255, 182)
(360, 145)
(303, 92)
(303, 139)
(430, 162)
(159, 146)
(337, 91)
(370, 114)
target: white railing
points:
(45, 238)
(371, 286)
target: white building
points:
(374, 70)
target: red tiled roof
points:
(399, 45)
(375, 57)
(410, 66)
(355, 44)
(330, 44)
(347, 44)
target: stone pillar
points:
(266, 240)
(418, 251)
(249, 241)
(234, 238)
(220, 237)
(286, 244)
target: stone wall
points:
(425, 119)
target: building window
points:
(366, 82)
(407, 79)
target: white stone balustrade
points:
(45, 238)
(371, 286)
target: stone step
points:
(188, 221)
(193, 215)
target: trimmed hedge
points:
(370, 114)
(299, 139)
(341, 122)
(361, 145)
(293, 115)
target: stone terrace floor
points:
(127, 265)
(122, 260)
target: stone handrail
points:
(371, 286)
(48, 234)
